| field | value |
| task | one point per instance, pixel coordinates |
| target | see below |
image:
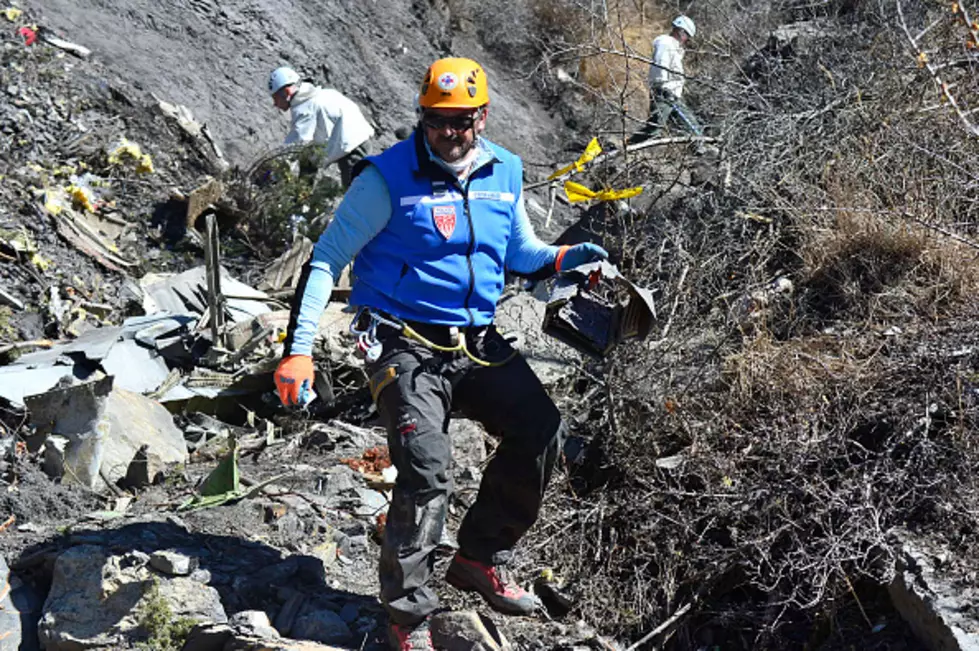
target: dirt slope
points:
(214, 57)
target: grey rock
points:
(254, 643)
(287, 614)
(321, 626)
(466, 631)
(105, 429)
(338, 480)
(208, 637)
(941, 614)
(468, 448)
(96, 599)
(290, 525)
(172, 563)
(138, 422)
(552, 361)
(20, 609)
(253, 622)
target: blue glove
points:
(580, 254)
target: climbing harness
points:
(371, 346)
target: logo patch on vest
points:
(445, 219)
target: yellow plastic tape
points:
(12, 14)
(577, 192)
(591, 151)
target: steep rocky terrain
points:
(787, 462)
(214, 57)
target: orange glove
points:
(290, 375)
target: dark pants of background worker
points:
(665, 107)
(348, 162)
(415, 388)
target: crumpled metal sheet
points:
(187, 292)
(137, 368)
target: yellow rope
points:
(461, 346)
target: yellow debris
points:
(82, 197)
(145, 165)
(42, 264)
(577, 192)
(13, 14)
(131, 151)
(591, 152)
(54, 201)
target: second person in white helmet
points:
(666, 81)
(323, 116)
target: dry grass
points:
(618, 75)
(877, 267)
(757, 466)
(800, 371)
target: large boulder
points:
(940, 611)
(522, 315)
(100, 600)
(104, 430)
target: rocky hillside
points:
(787, 462)
(214, 57)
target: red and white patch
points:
(448, 81)
(445, 219)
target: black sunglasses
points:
(454, 122)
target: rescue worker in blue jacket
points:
(434, 222)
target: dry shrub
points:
(767, 498)
(800, 371)
(872, 266)
(613, 73)
(760, 473)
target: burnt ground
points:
(63, 114)
(215, 58)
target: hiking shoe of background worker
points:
(405, 637)
(492, 582)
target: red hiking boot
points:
(494, 584)
(404, 637)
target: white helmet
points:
(282, 77)
(686, 25)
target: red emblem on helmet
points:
(445, 219)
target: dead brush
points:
(761, 473)
(874, 267)
(800, 371)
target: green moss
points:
(7, 329)
(156, 618)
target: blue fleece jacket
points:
(364, 212)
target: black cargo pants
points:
(415, 389)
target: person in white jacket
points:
(323, 116)
(666, 78)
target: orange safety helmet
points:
(454, 83)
